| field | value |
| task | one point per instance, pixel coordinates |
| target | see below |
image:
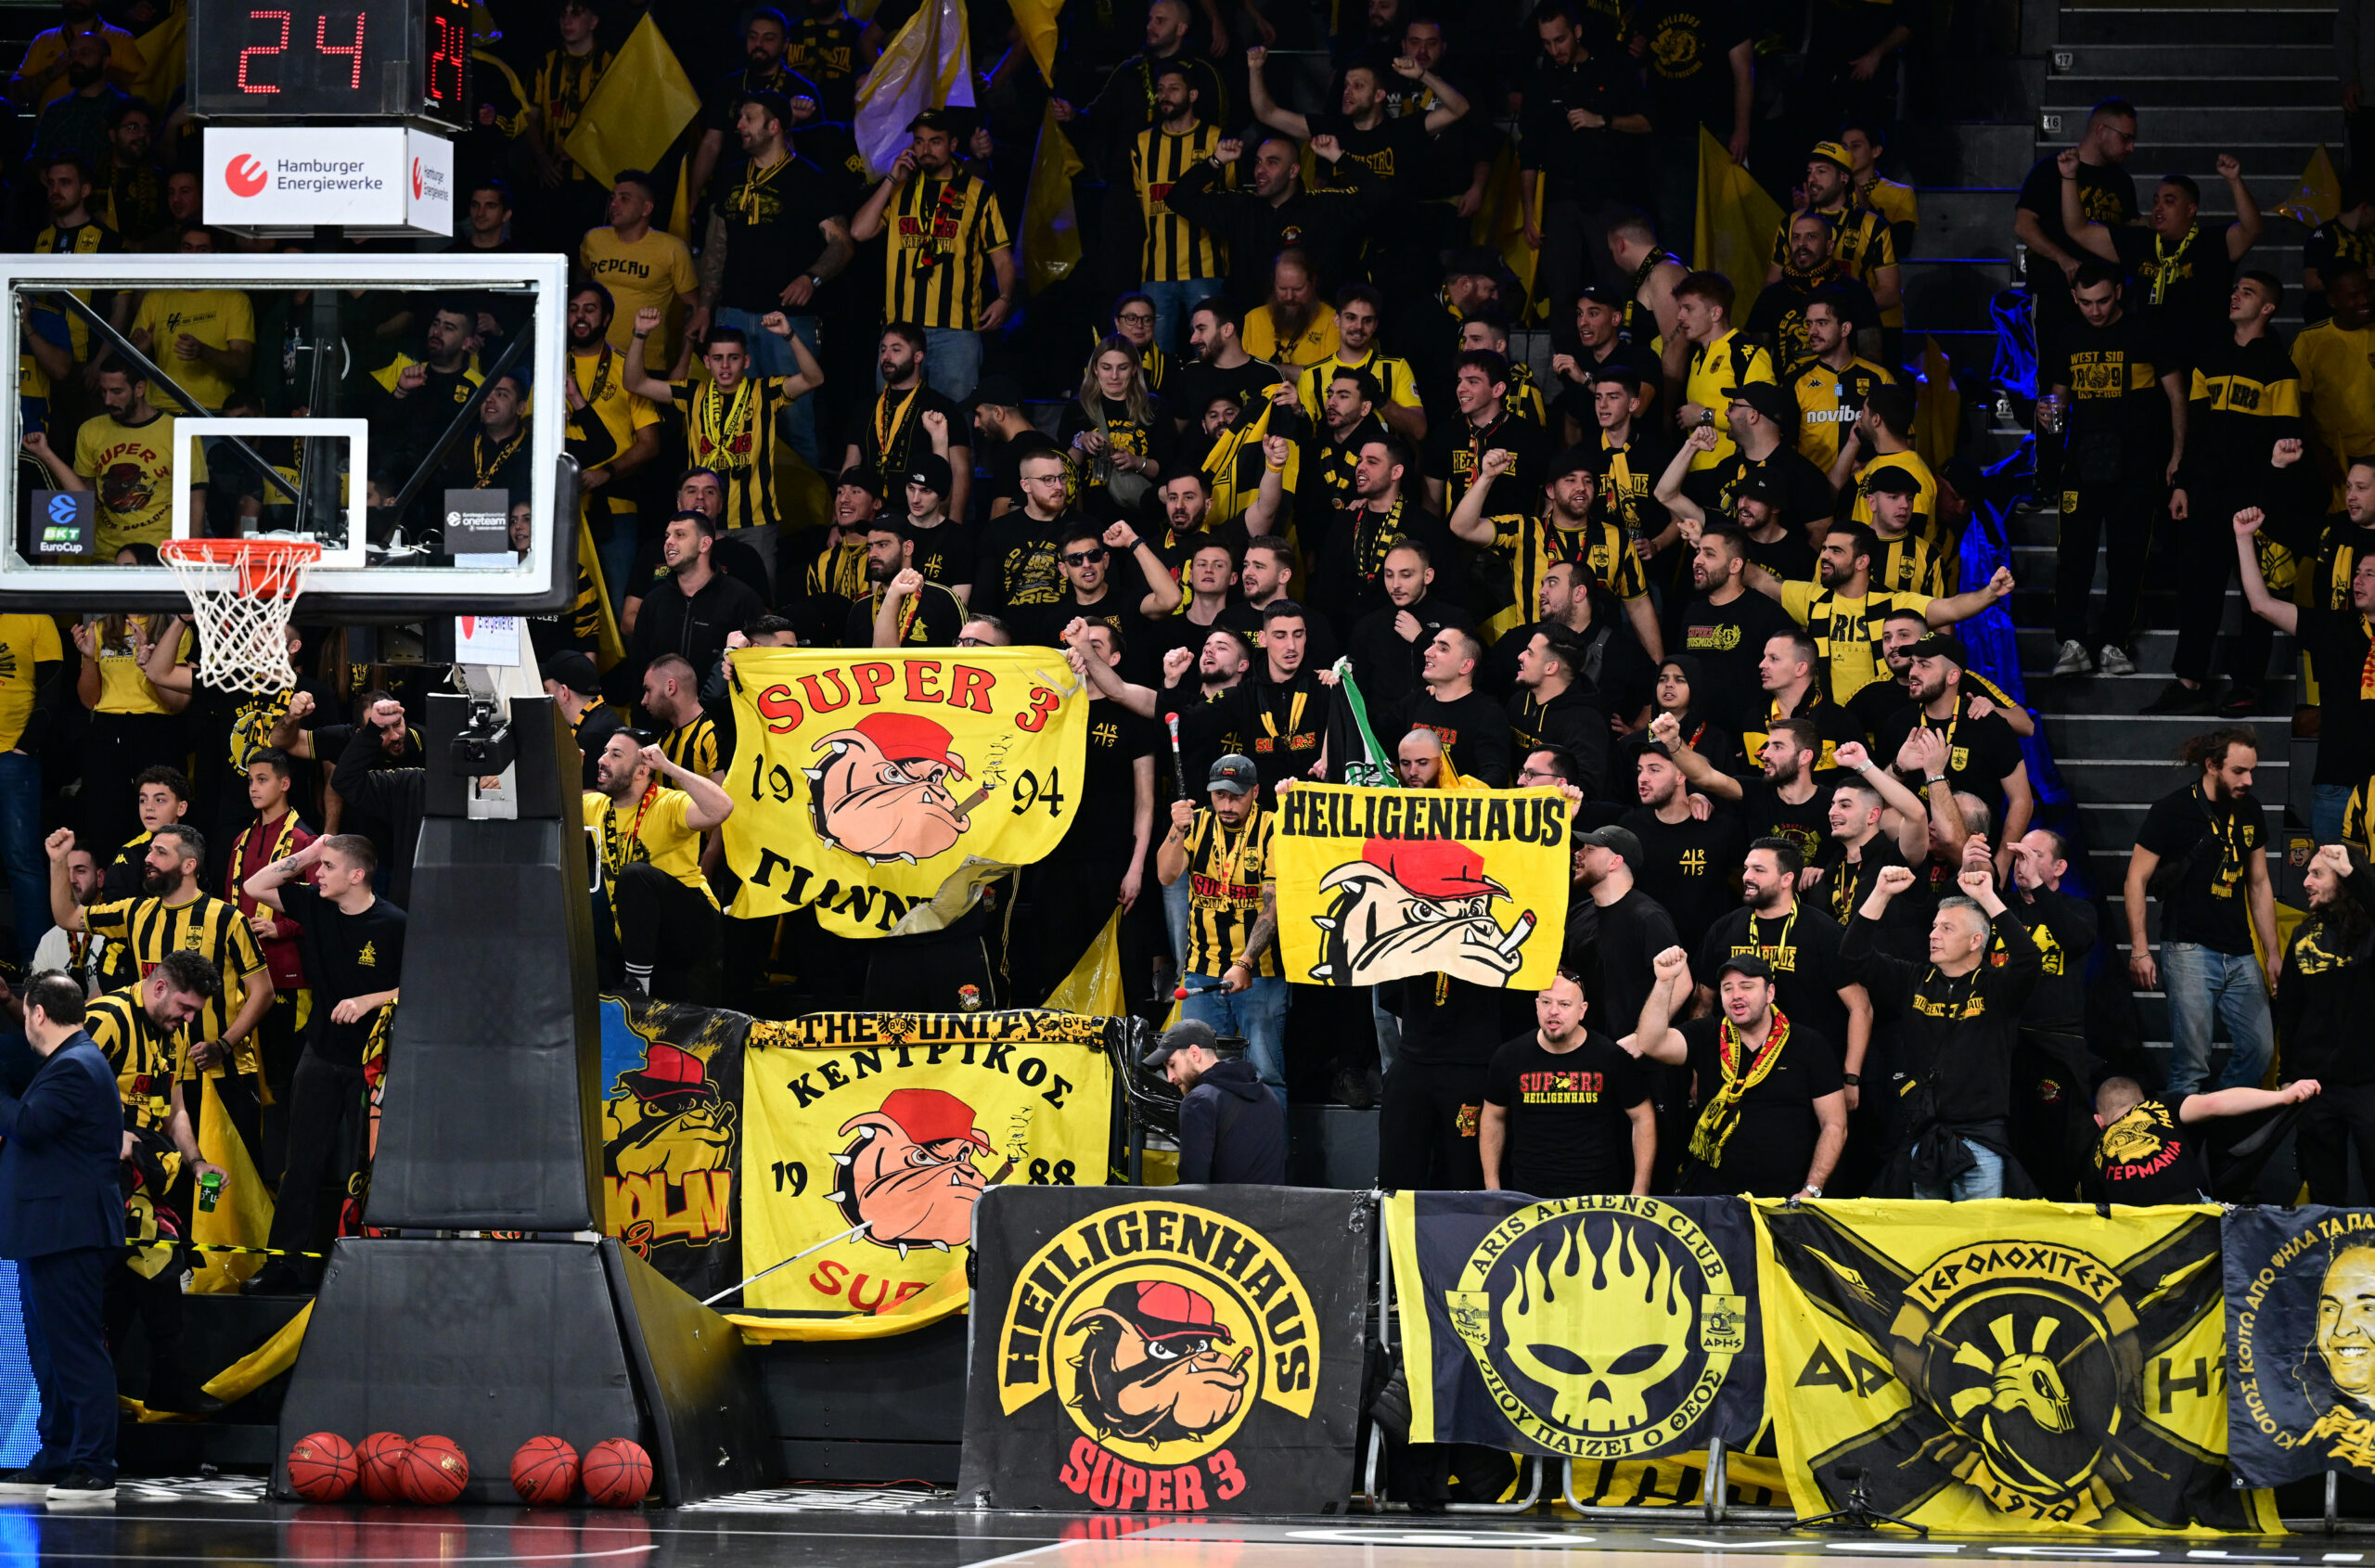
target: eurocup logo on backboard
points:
(244, 176)
(62, 509)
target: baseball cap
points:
(1832, 153)
(1769, 401)
(1577, 459)
(997, 391)
(911, 737)
(1746, 964)
(1164, 1310)
(863, 478)
(1942, 645)
(930, 470)
(1181, 1036)
(1600, 294)
(1757, 488)
(1233, 775)
(575, 671)
(1616, 841)
(1433, 867)
(1891, 479)
(936, 120)
(932, 1116)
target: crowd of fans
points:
(1684, 562)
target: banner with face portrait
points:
(865, 783)
(2301, 1373)
(1193, 1350)
(1381, 884)
(672, 1138)
(2002, 1366)
(1587, 1328)
(873, 1136)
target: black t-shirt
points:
(1632, 930)
(2118, 424)
(1102, 822)
(1905, 932)
(930, 619)
(345, 956)
(1474, 731)
(1690, 75)
(947, 553)
(1571, 1132)
(2063, 929)
(1394, 150)
(2192, 278)
(1789, 557)
(1981, 754)
(1190, 388)
(888, 431)
(1017, 570)
(1802, 948)
(2338, 641)
(1769, 1151)
(1806, 497)
(1690, 868)
(2210, 905)
(1728, 640)
(1765, 814)
(2148, 1156)
(774, 231)
(1586, 166)
(2105, 193)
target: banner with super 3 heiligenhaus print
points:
(2003, 1366)
(1184, 1350)
(1381, 884)
(863, 783)
(2301, 1386)
(1587, 1328)
(877, 1134)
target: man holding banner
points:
(1230, 966)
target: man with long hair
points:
(2322, 1003)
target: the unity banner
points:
(2002, 1366)
(865, 783)
(1381, 884)
(2301, 1378)
(672, 1126)
(1179, 1350)
(876, 1134)
(1580, 1328)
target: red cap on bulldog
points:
(932, 1116)
(904, 735)
(1433, 868)
(1165, 1311)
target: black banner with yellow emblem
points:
(1582, 1328)
(1182, 1350)
(2003, 1366)
(672, 1138)
(2301, 1373)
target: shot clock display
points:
(325, 60)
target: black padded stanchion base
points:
(493, 1342)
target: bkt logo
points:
(62, 509)
(245, 175)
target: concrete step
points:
(2236, 125)
(1953, 293)
(1967, 152)
(1966, 222)
(2153, 651)
(2129, 694)
(2279, 157)
(2194, 27)
(2157, 96)
(2116, 780)
(2033, 608)
(2136, 736)
(2130, 61)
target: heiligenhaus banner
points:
(1174, 1350)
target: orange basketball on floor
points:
(323, 1469)
(434, 1471)
(543, 1471)
(381, 1454)
(617, 1474)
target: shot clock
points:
(330, 60)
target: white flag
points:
(928, 64)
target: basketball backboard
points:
(285, 471)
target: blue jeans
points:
(771, 356)
(1171, 304)
(952, 361)
(1257, 1015)
(2198, 981)
(2325, 812)
(1176, 906)
(21, 851)
(1985, 1179)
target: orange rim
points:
(265, 565)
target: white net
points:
(241, 593)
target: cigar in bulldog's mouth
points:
(1242, 1352)
(1004, 1171)
(965, 807)
(1518, 934)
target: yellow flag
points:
(1050, 232)
(1036, 19)
(242, 1216)
(1093, 988)
(928, 64)
(1736, 223)
(2319, 197)
(638, 108)
(1381, 884)
(1937, 407)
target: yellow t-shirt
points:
(1718, 370)
(1317, 342)
(132, 469)
(217, 317)
(653, 834)
(25, 641)
(653, 271)
(123, 686)
(2338, 391)
(620, 412)
(126, 62)
(1394, 378)
(1847, 631)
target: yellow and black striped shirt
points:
(1394, 378)
(942, 233)
(143, 1053)
(1921, 560)
(1846, 632)
(735, 435)
(1175, 250)
(693, 747)
(149, 928)
(1534, 545)
(1861, 244)
(1225, 874)
(564, 82)
(1827, 403)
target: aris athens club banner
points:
(672, 1135)
(2301, 1378)
(878, 1133)
(1180, 1350)
(863, 784)
(2002, 1366)
(1380, 884)
(1582, 1328)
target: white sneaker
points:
(26, 1483)
(81, 1488)
(2072, 661)
(2113, 660)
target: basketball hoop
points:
(241, 593)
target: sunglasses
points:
(1082, 558)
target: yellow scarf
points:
(1720, 1115)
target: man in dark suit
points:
(62, 1222)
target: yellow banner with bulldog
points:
(869, 1138)
(2002, 1366)
(864, 783)
(1380, 884)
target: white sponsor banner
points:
(377, 178)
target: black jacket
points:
(695, 627)
(1328, 224)
(398, 794)
(1232, 1128)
